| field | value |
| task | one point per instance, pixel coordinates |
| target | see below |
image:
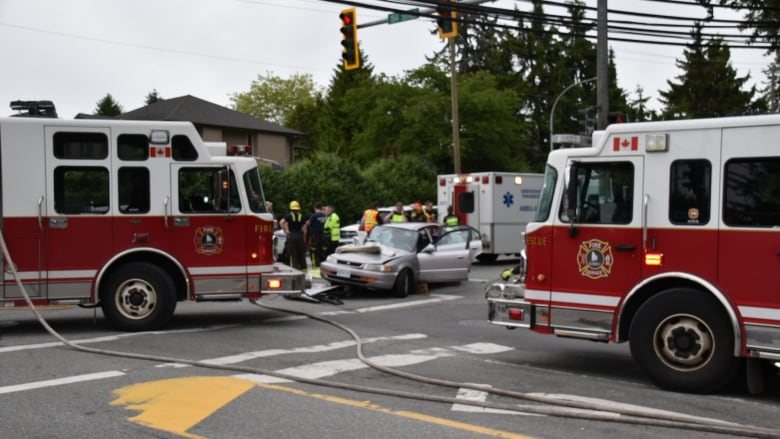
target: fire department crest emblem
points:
(208, 240)
(594, 258)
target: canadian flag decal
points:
(160, 151)
(619, 144)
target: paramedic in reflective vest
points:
(451, 220)
(332, 229)
(397, 215)
(371, 217)
(292, 224)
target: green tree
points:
(275, 99)
(708, 85)
(153, 97)
(762, 16)
(771, 91)
(404, 178)
(107, 107)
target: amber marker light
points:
(253, 256)
(654, 259)
(540, 277)
(274, 284)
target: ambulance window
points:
(72, 145)
(752, 192)
(80, 190)
(132, 147)
(182, 149)
(133, 190)
(690, 191)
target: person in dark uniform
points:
(293, 226)
(315, 230)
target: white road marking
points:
(246, 356)
(480, 396)
(60, 381)
(483, 348)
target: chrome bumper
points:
(507, 306)
(284, 280)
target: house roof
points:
(191, 109)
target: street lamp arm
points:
(555, 103)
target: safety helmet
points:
(294, 205)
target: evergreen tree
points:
(153, 97)
(771, 92)
(709, 85)
(108, 107)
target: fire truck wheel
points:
(404, 283)
(138, 297)
(682, 339)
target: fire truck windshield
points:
(254, 191)
(548, 190)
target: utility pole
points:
(455, 119)
(602, 66)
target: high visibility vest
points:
(451, 220)
(370, 219)
(398, 217)
(333, 222)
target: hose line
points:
(554, 406)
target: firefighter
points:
(371, 217)
(397, 215)
(417, 215)
(430, 213)
(293, 226)
(451, 220)
(332, 229)
(315, 231)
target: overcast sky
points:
(74, 52)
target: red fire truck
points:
(665, 235)
(132, 216)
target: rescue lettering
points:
(535, 241)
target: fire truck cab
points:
(132, 216)
(665, 235)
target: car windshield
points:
(401, 239)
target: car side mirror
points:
(430, 248)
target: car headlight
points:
(377, 267)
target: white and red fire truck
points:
(665, 235)
(498, 204)
(132, 216)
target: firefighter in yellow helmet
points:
(292, 224)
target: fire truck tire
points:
(682, 339)
(138, 297)
(404, 283)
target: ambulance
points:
(498, 204)
(130, 216)
(665, 235)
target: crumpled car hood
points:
(368, 253)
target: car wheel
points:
(404, 283)
(487, 258)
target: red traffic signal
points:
(351, 53)
(447, 22)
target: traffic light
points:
(588, 118)
(447, 22)
(616, 117)
(350, 54)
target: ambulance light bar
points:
(657, 142)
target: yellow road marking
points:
(176, 405)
